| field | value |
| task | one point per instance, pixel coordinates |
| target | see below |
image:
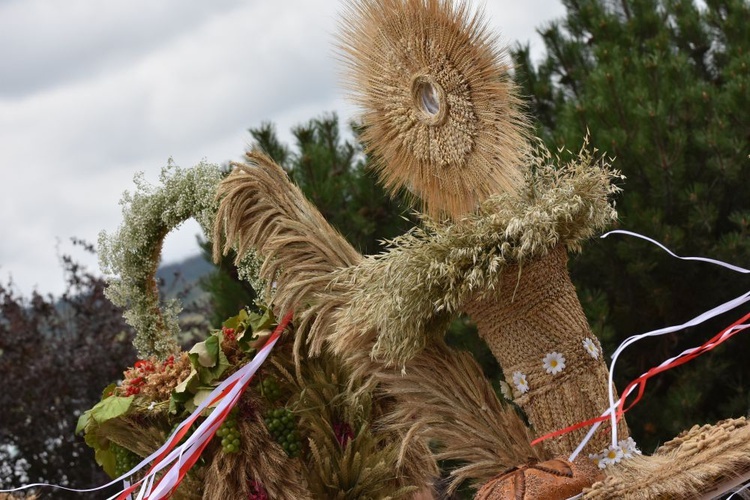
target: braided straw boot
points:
(535, 315)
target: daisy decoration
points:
(591, 348)
(519, 380)
(554, 363)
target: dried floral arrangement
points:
(353, 393)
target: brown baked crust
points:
(556, 479)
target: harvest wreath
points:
(354, 393)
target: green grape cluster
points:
(124, 459)
(229, 434)
(270, 389)
(283, 427)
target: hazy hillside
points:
(177, 277)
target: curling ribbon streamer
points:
(226, 395)
(695, 321)
(617, 409)
(640, 383)
(670, 252)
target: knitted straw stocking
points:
(531, 315)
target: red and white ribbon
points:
(179, 459)
(728, 306)
(617, 408)
(183, 457)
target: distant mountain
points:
(177, 277)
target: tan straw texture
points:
(692, 464)
(535, 312)
(440, 112)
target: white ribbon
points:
(670, 252)
(203, 433)
(727, 306)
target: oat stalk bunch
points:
(398, 298)
(440, 113)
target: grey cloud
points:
(100, 102)
(45, 43)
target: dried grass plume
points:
(440, 112)
(261, 210)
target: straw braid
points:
(693, 465)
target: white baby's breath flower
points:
(519, 380)
(554, 362)
(129, 256)
(591, 348)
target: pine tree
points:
(662, 86)
(333, 173)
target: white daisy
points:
(591, 348)
(519, 380)
(629, 448)
(505, 390)
(599, 459)
(554, 362)
(614, 454)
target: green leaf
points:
(109, 390)
(83, 421)
(112, 407)
(263, 321)
(92, 439)
(208, 376)
(187, 386)
(201, 396)
(206, 353)
(237, 322)
(106, 458)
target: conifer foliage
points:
(331, 170)
(664, 87)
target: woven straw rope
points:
(533, 313)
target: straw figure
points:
(381, 400)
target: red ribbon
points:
(643, 379)
(177, 437)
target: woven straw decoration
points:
(534, 313)
(440, 113)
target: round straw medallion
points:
(439, 111)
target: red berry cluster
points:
(229, 334)
(135, 378)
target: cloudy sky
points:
(93, 92)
